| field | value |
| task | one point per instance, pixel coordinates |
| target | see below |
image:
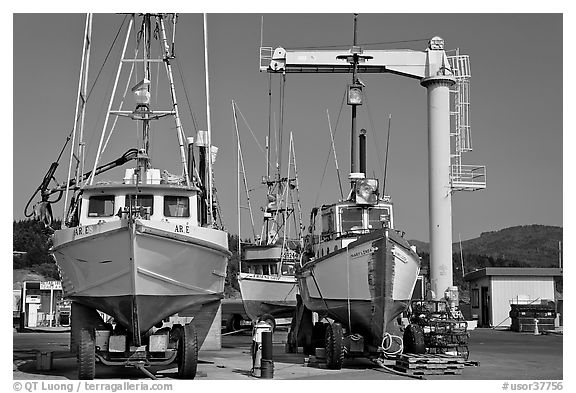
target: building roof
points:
(513, 271)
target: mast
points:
(353, 133)
(80, 107)
(209, 188)
(167, 56)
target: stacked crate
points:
(523, 316)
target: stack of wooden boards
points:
(427, 364)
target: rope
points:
(390, 338)
(348, 288)
(186, 94)
(345, 46)
(249, 128)
(329, 151)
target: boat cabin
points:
(269, 260)
(153, 200)
(342, 223)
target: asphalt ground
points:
(501, 354)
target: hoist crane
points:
(436, 72)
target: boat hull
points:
(364, 286)
(141, 272)
(273, 295)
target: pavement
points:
(501, 354)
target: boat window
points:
(274, 269)
(101, 206)
(265, 269)
(288, 269)
(351, 218)
(377, 217)
(138, 200)
(176, 206)
(327, 223)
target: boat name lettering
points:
(262, 276)
(400, 255)
(182, 228)
(86, 230)
(289, 254)
(363, 252)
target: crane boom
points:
(414, 64)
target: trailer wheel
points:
(269, 319)
(414, 339)
(334, 346)
(188, 352)
(86, 354)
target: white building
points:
(493, 289)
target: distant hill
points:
(528, 245)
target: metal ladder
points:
(463, 177)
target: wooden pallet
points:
(420, 366)
(430, 364)
(436, 358)
(429, 371)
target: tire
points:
(414, 339)
(269, 319)
(188, 352)
(86, 354)
(334, 346)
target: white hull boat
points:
(145, 250)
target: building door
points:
(485, 306)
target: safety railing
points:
(266, 53)
(468, 177)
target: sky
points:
(516, 107)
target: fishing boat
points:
(144, 250)
(268, 264)
(358, 271)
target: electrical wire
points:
(345, 46)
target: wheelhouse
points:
(154, 200)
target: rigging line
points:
(345, 46)
(107, 90)
(328, 156)
(249, 128)
(386, 160)
(93, 85)
(281, 123)
(374, 136)
(241, 168)
(132, 68)
(186, 94)
(334, 151)
(108, 111)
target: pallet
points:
(430, 364)
(429, 371)
(437, 358)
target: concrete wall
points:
(506, 288)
